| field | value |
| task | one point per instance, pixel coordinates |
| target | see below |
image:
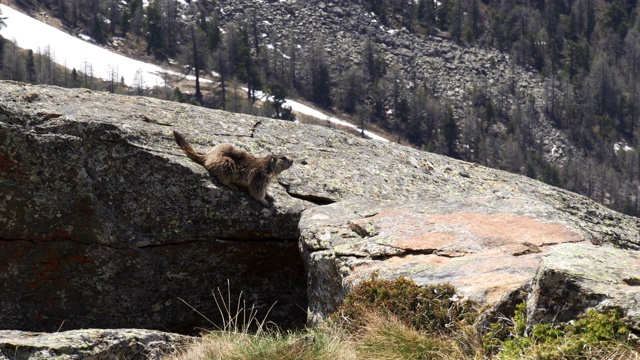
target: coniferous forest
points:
(586, 51)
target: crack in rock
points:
(404, 253)
(315, 199)
(632, 281)
(531, 249)
(255, 126)
(56, 239)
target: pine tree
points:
(426, 14)
(115, 16)
(319, 76)
(137, 17)
(198, 64)
(451, 133)
(241, 63)
(74, 77)
(170, 26)
(278, 95)
(125, 21)
(375, 66)
(351, 90)
(2, 43)
(231, 44)
(31, 67)
(474, 19)
(457, 20)
(97, 29)
(2, 20)
(153, 31)
(379, 8)
(221, 66)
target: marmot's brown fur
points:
(234, 167)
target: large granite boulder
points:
(104, 222)
(497, 250)
(486, 246)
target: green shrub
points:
(433, 308)
(505, 329)
(594, 335)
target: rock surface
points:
(104, 222)
(575, 277)
(485, 246)
(90, 344)
(489, 247)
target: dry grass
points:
(243, 336)
(386, 337)
(383, 338)
(321, 343)
(382, 335)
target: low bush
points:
(594, 335)
(433, 308)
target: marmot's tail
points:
(184, 144)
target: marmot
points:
(234, 167)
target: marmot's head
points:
(279, 163)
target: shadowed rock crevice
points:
(574, 277)
(632, 281)
(59, 238)
(221, 240)
(140, 287)
(317, 200)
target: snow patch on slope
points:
(72, 52)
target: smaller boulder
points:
(574, 277)
(487, 246)
(96, 344)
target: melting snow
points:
(303, 109)
(72, 52)
(620, 146)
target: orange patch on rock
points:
(51, 266)
(485, 255)
(503, 230)
(508, 228)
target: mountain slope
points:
(521, 110)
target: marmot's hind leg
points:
(225, 172)
(258, 190)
